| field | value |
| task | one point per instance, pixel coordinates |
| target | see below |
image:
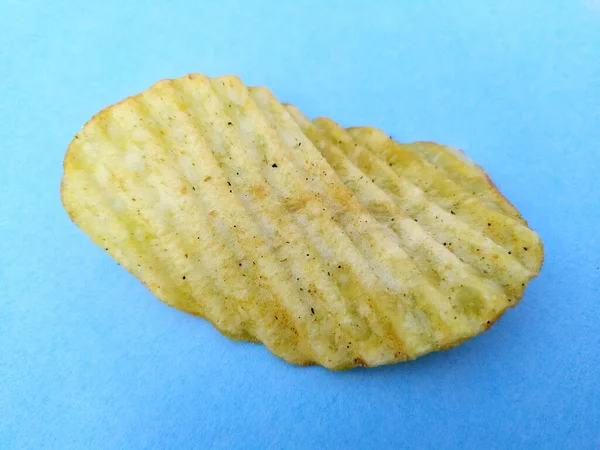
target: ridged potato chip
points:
(330, 246)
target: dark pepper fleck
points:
(273, 165)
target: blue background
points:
(89, 359)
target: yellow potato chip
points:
(439, 203)
(215, 196)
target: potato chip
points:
(476, 223)
(216, 197)
(439, 203)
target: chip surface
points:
(330, 246)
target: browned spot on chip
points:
(360, 362)
(259, 191)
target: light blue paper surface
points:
(90, 359)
